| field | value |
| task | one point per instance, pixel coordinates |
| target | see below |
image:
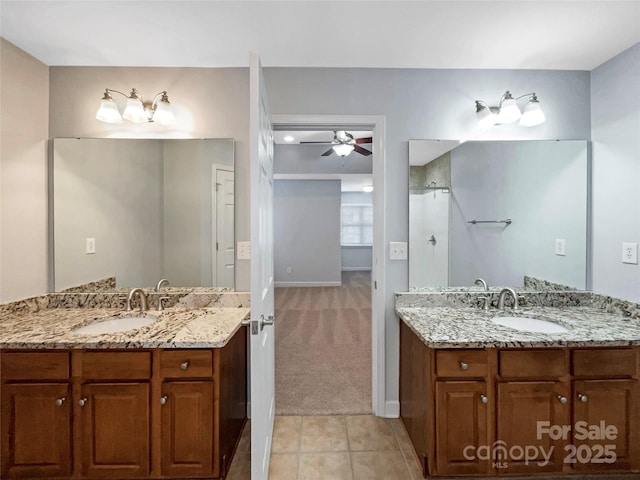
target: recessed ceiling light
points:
(288, 138)
(367, 188)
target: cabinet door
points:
(115, 430)
(187, 428)
(606, 407)
(524, 408)
(36, 430)
(461, 427)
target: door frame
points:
(375, 123)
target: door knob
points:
(266, 321)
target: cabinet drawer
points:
(116, 365)
(35, 366)
(186, 363)
(533, 363)
(609, 362)
(461, 363)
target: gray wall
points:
(542, 187)
(96, 187)
(304, 159)
(615, 117)
(306, 217)
(427, 104)
(24, 130)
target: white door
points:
(261, 329)
(225, 245)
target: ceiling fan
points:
(344, 143)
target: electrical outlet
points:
(90, 247)
(244, 250)
(397, 250)
(560, 246)
(289, 270)
(630, 253)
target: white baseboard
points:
(392, 409)
(356, 269)
(307, 284)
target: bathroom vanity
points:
(166, 401)
(481, 399)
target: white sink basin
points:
(526, 324)
(116, 323)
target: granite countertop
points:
(469, 327)
(175, 328)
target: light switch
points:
(398, 250)
(560, 247)
(90, 248)
(244, 250)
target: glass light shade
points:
(163, 113)
(343, 149)
(367, 188)
(108, 111)
(533, 114)
(486, 118)
(509, 111)
(134, 111)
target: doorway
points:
(373, 282)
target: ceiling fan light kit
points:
(508, 111)
(344, 143)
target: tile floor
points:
(349, 447)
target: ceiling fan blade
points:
(327, 153)
(364, 140)
(361, 151)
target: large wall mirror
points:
(500, 210)
(142, 210)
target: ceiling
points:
(312, 136)
(510, 34)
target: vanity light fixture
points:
(508, 111)
(136, 110)
(367, 188)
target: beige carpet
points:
(323, 348)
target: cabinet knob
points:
(484, 399)
(582, 398)
(60, 401)
(184, 365)
(464, 366)
(163, 400)
(82, 402)
(562, 399)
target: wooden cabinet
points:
(606, 408)
(461, 427)
(36, 415)
(126, 414)
(521, 408)
(36, 430)
(115, 430)
(539, 404)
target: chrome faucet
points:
(503, 294)
(143, 299)
(162, 282)
(481, 282)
